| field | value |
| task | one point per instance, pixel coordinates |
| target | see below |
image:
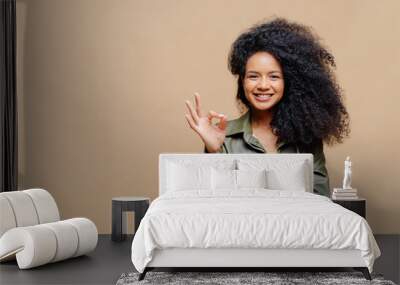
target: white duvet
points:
(251, 218)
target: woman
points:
(294, 103)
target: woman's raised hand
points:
(212, 135)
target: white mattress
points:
(250, 218)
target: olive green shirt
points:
(239, 139)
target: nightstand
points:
(358, 206)
(139, 205)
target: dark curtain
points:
(8, 115)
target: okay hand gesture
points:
(212, 135)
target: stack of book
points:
(344, 194)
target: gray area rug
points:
(229, 278)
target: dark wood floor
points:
(111, 259)
(102, 266)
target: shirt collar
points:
(243, 125)
(240, 125)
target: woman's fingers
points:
(213, 114)
(190, 121)
(195, 116)
(197, 104)
(193, 113)
(222, 119)
(223, 122)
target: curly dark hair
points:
(311, 108)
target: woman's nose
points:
(264, 83)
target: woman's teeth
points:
(262, 97)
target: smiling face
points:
(263, 82)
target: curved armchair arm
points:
(33, 246)
(40, 244)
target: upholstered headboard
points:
(279, 162)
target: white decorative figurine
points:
(347, 174)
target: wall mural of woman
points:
(294, 104)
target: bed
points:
(247, 210)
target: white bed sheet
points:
(250, 218)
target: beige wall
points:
(102, 84)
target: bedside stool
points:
(139, 205)
(358, 206)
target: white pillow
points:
(181, 177)
(223, 179)
(236, 179)
(282, 174)
(251, 178)
(290, 178)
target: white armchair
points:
(31, 230)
